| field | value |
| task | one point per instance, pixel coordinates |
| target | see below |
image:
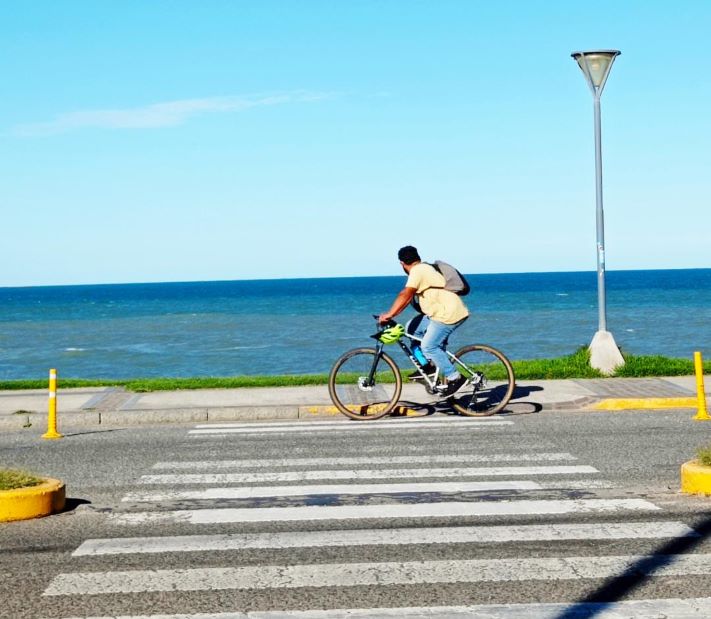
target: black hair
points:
(408, 254)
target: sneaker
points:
(428, 369)
(453, 386)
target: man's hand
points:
(401, 302)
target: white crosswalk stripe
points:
(440, 509)
(363, 497)
(374, 537)
(297, 462)
(246, 478)
(674, 608)
(353, 574)
(294, 426)
(352, 427)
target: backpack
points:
(454, 281)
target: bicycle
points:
(366, 383)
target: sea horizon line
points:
(335, 277)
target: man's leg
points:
(433, 345)
(417, 326)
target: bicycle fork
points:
(370, 379)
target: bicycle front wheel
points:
(352, 392)
(490, 384)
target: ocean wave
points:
(72, 349)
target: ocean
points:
(230, 328)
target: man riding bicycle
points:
(442, 312)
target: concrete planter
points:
(33, 502)
(695, 478)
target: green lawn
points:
(570, 366)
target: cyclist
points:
(443, 311)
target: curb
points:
(298, 411)
(33, 502)
(580, 403)
(620, 404)
(332, 411)
(695, 478)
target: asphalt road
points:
(503, 515)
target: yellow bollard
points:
(702, 413)
(52, 416)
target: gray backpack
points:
(454, 281)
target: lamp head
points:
(596, 66)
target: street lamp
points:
(596, 65)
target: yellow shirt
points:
(436, 302)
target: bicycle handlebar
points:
(389, 323)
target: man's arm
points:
(402, 300)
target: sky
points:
(247, 139)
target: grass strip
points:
(704, 455)
(576, 365)
(11, 479)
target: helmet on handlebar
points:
(392, 334)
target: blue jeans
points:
(434, 336)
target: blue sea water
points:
(302, 326)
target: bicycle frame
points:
(431, 382)
(407, 349)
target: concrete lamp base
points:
(604, 354)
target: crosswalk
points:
(440, 530)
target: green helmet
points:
(392, 334)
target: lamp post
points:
(596, 65)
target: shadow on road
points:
(618, 587)
(70, 504)
(524, 392)
(523, 408)
(422, 409)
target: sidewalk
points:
(114, 406)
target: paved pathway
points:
(112, 406)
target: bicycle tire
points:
(492, 381)
(351, 397)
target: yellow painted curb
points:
(695, 478)
(320, 410)
(332, 410)
(620, 404)
(33, 502)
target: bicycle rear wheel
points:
(491, 381)
(349, 389)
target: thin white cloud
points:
(157, 115)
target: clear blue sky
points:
(186, 140)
